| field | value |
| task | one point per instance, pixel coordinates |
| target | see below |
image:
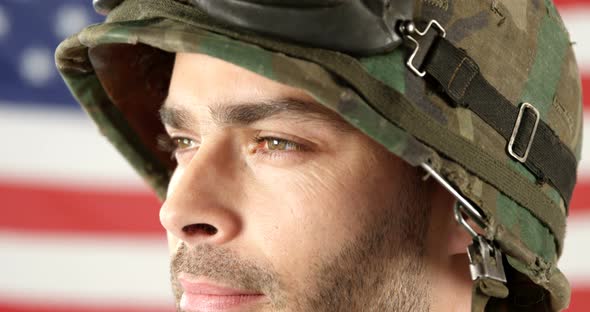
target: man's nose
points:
(199, 208)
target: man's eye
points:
(278, 144)
(181, 143)
(175, 146)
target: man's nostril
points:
(200, 228)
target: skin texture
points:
(278, 196)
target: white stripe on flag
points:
(84, 270)
(59, 146)
(64, 147)
(574, 261)
(90, 270)
(584, 165)
(577, 22)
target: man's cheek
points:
(322, 204)
(325, 188)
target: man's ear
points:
(456, 236)
(459, 238)
(448, 244)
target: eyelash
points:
(294, 146)
(170, 144)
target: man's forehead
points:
(204, 89)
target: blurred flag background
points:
(79, 231)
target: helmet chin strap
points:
(354, 27)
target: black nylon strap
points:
(549, 159)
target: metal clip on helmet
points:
(486, 99)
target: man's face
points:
(278, 205)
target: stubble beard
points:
(381, 270)
(384, 269)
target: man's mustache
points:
(225, 267)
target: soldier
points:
(344, 155)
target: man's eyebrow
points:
(247, 113)
(178, 118)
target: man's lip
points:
(202, 287)
(205, 295)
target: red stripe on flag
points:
(586, 90)
(64, 210)
(564, 3)
(60, 209)
(580, 302)
(7, 307)
(581, 198)
(580, 299)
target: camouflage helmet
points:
(484, 95)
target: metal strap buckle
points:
(408, 29)
(485, 261)
(523, 107)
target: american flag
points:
(79, 230)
